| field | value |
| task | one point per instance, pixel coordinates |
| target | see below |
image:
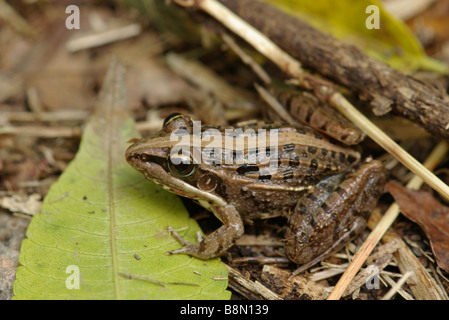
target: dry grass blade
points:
(421, 284)
(397, 286)
(348, 110)
(8, 14)
(251, 35)
(257, 69)
(103, 37)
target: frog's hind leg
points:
(332, 213)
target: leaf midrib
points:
(111, 196)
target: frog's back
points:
(273, 165)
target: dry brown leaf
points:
(422, 208)
(22, 203)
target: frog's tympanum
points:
(321, 187)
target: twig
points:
(323, 89)
(8, 14)
(255, 287)
(104, 37)
(422, 285)
(386, 89)
(348, 110)
(397, 286)
(252, 36)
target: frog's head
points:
(173, 171)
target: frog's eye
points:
(177, 121)
(181, 165)
(171, 118)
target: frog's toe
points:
(178, 238)
(183, 250)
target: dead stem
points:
(252, 286)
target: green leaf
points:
(392, 43)
(106, 221)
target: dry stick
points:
(255, 287)
(343, 105)
(8, 14)
(293, 67)
(385, 89)
(251, 35)
(384, 224)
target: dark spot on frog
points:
(324, 152)
(265, 177)
(253, 124)
(313, 166)
(288, 175)
(288, 147)
(311, 150)
(245, 168)
(85, 198)
(324, 206)
(294, 161)
(351, 159)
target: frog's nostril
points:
(130, 156)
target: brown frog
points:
(321, 187)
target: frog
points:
(320, 186)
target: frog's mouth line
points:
(156, 173)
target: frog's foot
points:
(178, 238)
(218, 241)
(332, 213)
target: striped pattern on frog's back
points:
(298, 153)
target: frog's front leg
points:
(218, 241)
(332, 213)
